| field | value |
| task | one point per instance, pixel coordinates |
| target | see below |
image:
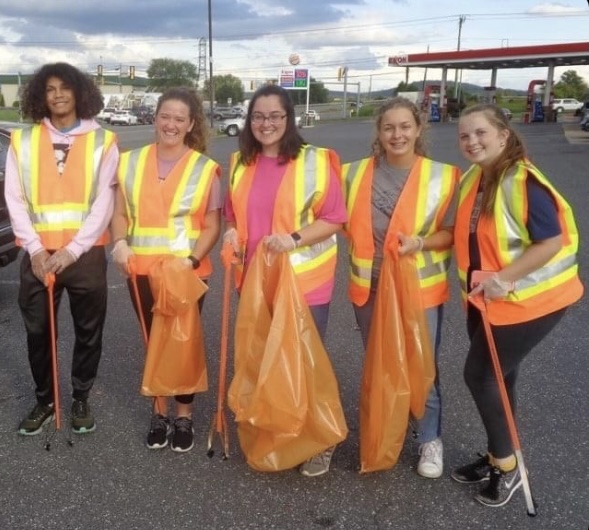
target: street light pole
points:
(211, 84)
(460, 22)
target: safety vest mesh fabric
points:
(420, 211)
(300, 195)
(504, 237)
(57, 204)
(158, 225)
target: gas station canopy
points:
(569, 54)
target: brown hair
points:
(290, 143)
(34, 100)
(399, 103)
(513, 152)
(197, 137)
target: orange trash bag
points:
(399, 367)
(284, 394)
(175, 363)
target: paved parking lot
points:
(108, 480)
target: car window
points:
(4, 144)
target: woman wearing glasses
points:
(273, 162)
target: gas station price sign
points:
(294, 78)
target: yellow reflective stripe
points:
(321, 258)
(354, 171)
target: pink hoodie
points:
(101, 209)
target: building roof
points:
(569, 54)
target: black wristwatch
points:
(195, 261)
(296, 237)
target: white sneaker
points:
(431, 460)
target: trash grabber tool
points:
(50, 279)
(133, 278)
(219, 423)
(479, 303)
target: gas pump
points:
(490, 94)
(431, 100)
(534, 107)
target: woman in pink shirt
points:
(273, 158)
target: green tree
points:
(406, 87)
(166, 73)
(318, 94)
(571, 85)
(226, 86)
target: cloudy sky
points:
(252, 39)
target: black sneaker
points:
(183, 437)
(157, 437)
(500, 489)
(82, 418)
(37, 418)
(478, 471)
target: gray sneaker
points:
(317, 465)
(36, 419)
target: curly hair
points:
(399, 103)
(197, 137)
(513, 152)
(290, 143)
(88, 97)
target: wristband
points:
(195, 262)
(419, 243)
(296, 237)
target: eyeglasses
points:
(274, 118)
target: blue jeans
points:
(429, 427)
(320, 315)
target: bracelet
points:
(195, 261)
(419, 243)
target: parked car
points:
(145, 115)
(8, 248)
(123, 117)
(566, 104)
(232, 127)
(584, 123)
(224, 113)
(106, 113)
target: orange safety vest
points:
(57, 204)
(504, 237)
(165, 218)
(420, 210)
(300, 196)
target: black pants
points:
(85, 283)
(513, 343)
(147, 301)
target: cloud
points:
(555, 8)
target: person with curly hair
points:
(168, 204)
(60, 182)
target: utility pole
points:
(211, 84)
(461, 20)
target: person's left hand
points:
(493, 288)
(60, 260)
(280, 243)
(408, 244)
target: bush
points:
(16, 104)
(2, 103)
(366, 110)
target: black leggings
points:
(146, 297)
(513, 343)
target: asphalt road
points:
(108, 480)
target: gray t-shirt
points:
(387, 184)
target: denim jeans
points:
(429, 427)
(320, 314)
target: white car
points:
(232, 127)
(567, 104)
(106, 114)
(123, 117)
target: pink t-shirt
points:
(260, 210)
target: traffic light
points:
(99, 70)
(131, 72)
(252, 85)
(340, 73)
